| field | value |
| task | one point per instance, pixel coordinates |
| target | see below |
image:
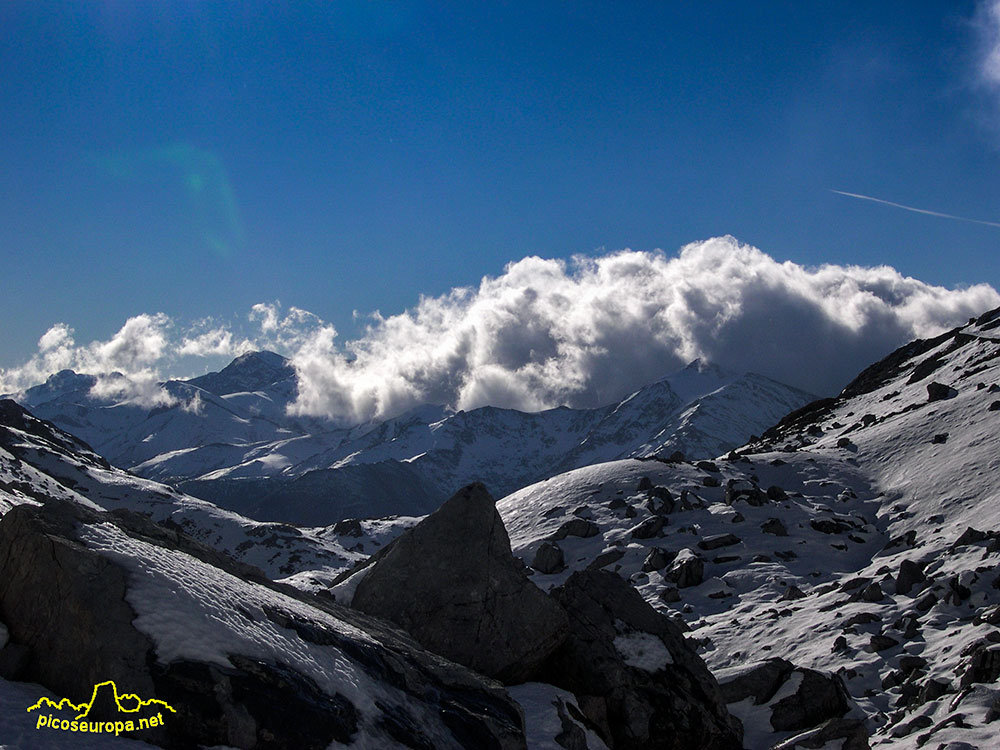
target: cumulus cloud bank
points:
(581, 333)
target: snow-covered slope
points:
(226, 437)
(860, 536)
(38, 461)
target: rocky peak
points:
(253, 371)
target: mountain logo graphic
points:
(107, 712)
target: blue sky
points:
(197, 158)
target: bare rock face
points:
(452, 583)
(68, 599)
(632, 672)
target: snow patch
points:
(643, 651)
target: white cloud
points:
(989, 24)
(583, 333)
(216, 342)
(550, 332)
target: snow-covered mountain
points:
(227, 437)
(839, 575)
(39, 462)
(860, 536)
(164, 602)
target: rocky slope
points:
(859, 538)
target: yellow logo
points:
(108, 711)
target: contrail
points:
(916, 210)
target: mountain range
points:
(834, 581)
(227, 437)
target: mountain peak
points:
(698, 378)
(252, 371)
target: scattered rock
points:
(911, 663)
(831, 525)
(969, 536)
(941, 437)
(657, 559)
(774, 526)
(938, 391)
(910, 574)
(932, 690)
(774, 492)
(870, 593)
(548, 558)
(708, 466)
(904, 540)
(660, 500)
(649, 528)
(606, 558)
(686, 570)
(670, 594)
(715, 541)
(909, 727)
(860, 618)
(984, 664)
(741, 489)
(809, 698)
(792, 593)
(882, 642)
(580, 527)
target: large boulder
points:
(634, 675)
(452, 583)
(244, 662)
(687, 569)
(795, 699)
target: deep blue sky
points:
(196, 158)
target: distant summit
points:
(253, 371)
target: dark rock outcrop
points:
(452, 583)
(67, 602)
(634, 675)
